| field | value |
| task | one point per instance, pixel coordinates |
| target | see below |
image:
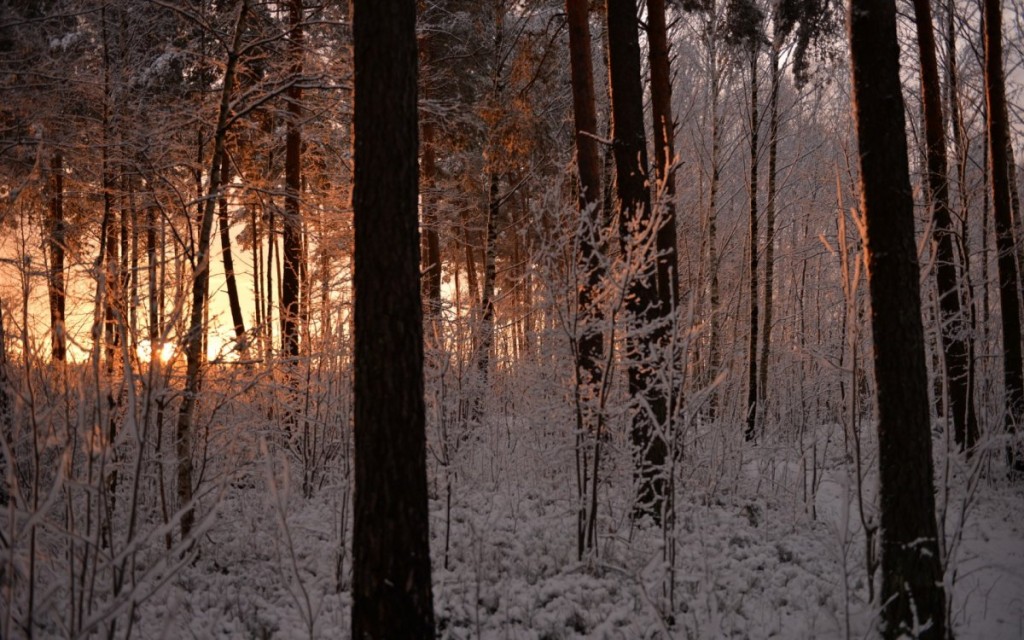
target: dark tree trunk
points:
(1018, 224)
(6, 419)
(755, 122)
(200, 288)
(911, 572)
(472, 277)
(590, 337)
(431, 237)
(56, 242)
(224, 222)
(291, 250)
(664, 150)
(483, 356)
(391, 555)
(154, 286)
(649, 301)
(961, 144)
(588, 162)
(953, 326)
(108, 247)
(431, 243)
(714, 361)
(998, 145)
(769, 235)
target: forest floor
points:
(751, 558)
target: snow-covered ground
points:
(751, 560)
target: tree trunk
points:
(432, 272)
(664, 150)
(291, 251)
(483, 356)
(912, 592)
(472, 279)
(391, 593)
(961, 144)
(431, 236)
(200, 288)
(649, 302)
(108, 248)
(58, 230)
(953, 326)
(590, 335)
(769, 239)
(229, 263)
(714, 354)
(590, 341)
(751, 429)
(1018, 224)
(995, 93)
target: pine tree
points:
(912, 593)
(391, 555)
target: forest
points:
(511, 319)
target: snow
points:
(750, 560)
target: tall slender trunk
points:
(56, 241)
(133, 267)
(472, 277)
(431, 237)
(590, 341)
(483, 357)
(108, 248)
(769, 236)
(998, 144)
(224, 224)
(292, 226)
(755, 122)
(1018, 224)
(649, 303)
(268, 290)
(155, 286)
(953, 326)
(590, 337)
(961, 144)
(664, 153)
(912, 591)
(200, 289)
(431, 240)
(714, 321)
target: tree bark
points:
(912, 592)
(432, 269)
(483, 356)
(998, 144)
(590, 341)
(769, 236)
(224, 223)
(751, 429)
(200, 288)
(391, 555)
(953, 326)
(664, 149)
(56, 241)
(649, 302)
(291, 251)
(431, 235)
